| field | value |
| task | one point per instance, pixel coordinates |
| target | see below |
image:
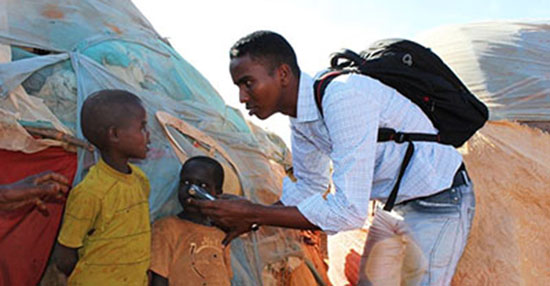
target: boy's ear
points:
(112, 134)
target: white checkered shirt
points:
(354, 107)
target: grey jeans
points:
(440, 224)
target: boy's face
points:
(133, 136)
(259, 89)
(195, 175)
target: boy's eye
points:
(186, 182)
(203, 185)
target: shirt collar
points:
(307, 108)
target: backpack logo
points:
(407, 59)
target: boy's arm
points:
(158, 280)
(65, 258)
(81, 212)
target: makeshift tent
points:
(56, 53)
(507, 65)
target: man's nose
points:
(243, 96)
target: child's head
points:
(202, 171)
(115, 122)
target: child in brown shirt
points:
(186, 249)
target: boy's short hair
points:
(104, 109)
(214, 166)
(268, 46)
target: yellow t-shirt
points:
(107, 219)
(190, 254)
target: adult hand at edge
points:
(33, 189)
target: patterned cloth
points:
(107, 219)
(189, 254)
(354, 107)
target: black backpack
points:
(420, 75)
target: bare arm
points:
(158, 280)
(237, 216)
(65, 258)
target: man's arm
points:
(238, 216)
(352, 119)
(65, 258)
(311, 167)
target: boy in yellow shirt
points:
(105, 236)
(187, 250)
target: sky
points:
(203, 31)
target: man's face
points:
(133, 134)
(259, 89)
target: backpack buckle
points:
(400, 137)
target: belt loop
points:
(465, 176)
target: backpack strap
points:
(393, 195)
(321, 84)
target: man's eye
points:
(203, 185)
(186, 182)
(248, 83)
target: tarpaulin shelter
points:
(507, 66)
(56, 53)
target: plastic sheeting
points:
(62, 51)
(510, 166)
(505, 64)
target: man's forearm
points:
(280, 215)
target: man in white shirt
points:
(435, 195)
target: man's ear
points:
(112, 134)
(285, 74)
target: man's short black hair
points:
(206, 162)
(104, 109)
(269, 46)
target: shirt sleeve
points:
(352, 122)
(81, 212)
(144, 181)
(311, 168)
(161, 249)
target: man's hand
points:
(36, 189)
(351, 268)
(233, 214)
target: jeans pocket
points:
(445, 246)
(447, 201)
